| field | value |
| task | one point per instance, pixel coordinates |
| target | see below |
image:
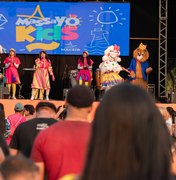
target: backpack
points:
(13, 125)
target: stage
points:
(10, 103)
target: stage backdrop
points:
(64, 27)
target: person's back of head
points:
(29, 108)
(172, 113)
(18, 168)
(79, 102)
(61, 112)
(167, 118)
(164, 112)
(129, 138)
(46, 109)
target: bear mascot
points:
(139, 66)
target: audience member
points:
(4, 150)
(26, 132)
(167, 118)
(29, 112)
(2, 107)
(18, 168)
(172, 113)
(2, 157)
(129, 138)
(173, 164)
(2, 122)
(61, 112)
(61, 148)
(15, 119)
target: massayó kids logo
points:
(45, 32)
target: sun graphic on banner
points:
(74, 20)
(107, 17)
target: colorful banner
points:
(64, 27)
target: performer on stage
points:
(0, 49)
(1, 76)
(110, 67)
(1, 71)
(12, 77)
(41, 79)
(85, 69)
(139, 68)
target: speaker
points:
(4, 92)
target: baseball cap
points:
(80, 96)
(19, 107)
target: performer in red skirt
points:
(85, 69)
(12, 77)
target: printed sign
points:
(64, 27)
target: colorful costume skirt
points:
(109, 79)
(41, 79)
(84, 74)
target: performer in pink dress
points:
(12, 77)
(41, 79)
(85, 69)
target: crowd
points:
(129, 138)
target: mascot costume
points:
(139, 66)
(110, 68)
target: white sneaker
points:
(32, 97)
(47, 98)
(13, 97)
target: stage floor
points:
(10, 103)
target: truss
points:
(162, 68)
